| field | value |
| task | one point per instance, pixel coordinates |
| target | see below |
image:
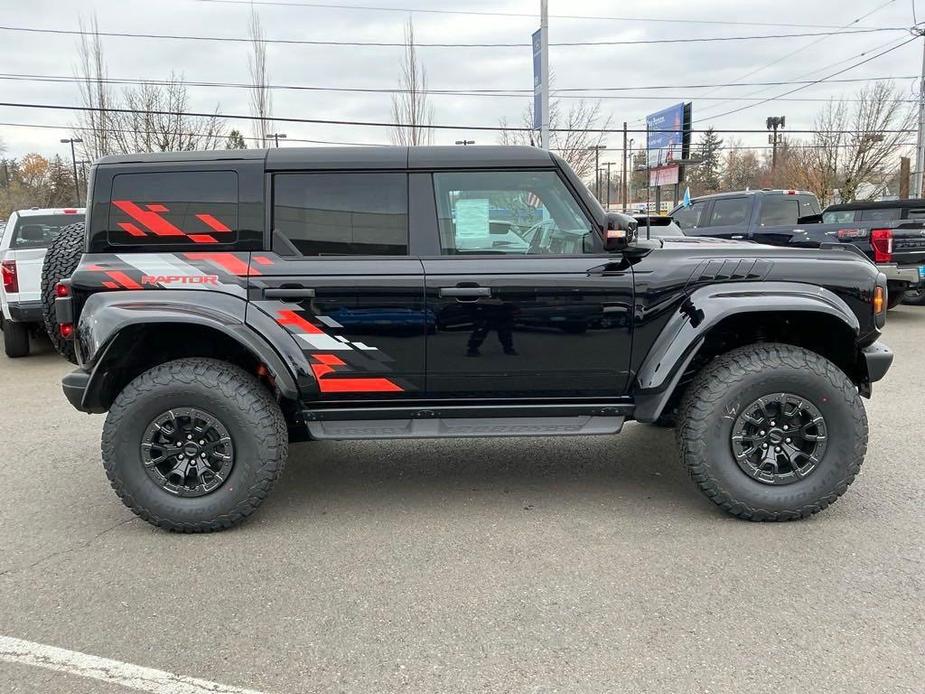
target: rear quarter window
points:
(882, 214)
(190, 208)
(38, 231)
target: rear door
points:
(728, 218)
(530, 309)
(340, 279)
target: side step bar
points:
(464, 422)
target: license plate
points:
(922, 272)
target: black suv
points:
(223, 304)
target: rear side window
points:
(689, 217)
(340, 214)
(809, 205)
(916, 213)
(779, 209)
(729, 211)
(37, 231)
(196, 208)
(838, 216)
(882, 214)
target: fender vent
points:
(731, 270)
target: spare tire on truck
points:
(61, 260)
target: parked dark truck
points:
(231, 302)
(793, 218)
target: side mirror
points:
(620, 232)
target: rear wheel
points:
(914, 297)
(194, 445)
(15, 339)
(61, 260)
(772, 432)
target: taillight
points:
(10, 278)
(62, 290)
(69, 210)
(66, 330)
(879, 301)
(881, 240)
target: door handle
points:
(737, 237)
(463, 293)
(289, 293)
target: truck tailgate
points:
(29, 273)
(909, 244)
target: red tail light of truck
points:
(881, 240)
(10, 277)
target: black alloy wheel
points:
(187, 452)
(779, 439)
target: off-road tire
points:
(15, 339)
(61, 260)
(736, 379)
(894, 299)
(244, 406)
(916, 297)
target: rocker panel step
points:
(464, 427)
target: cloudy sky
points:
(673, 68)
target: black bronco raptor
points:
(222, 304)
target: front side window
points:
(340, 214)
(183, 207)
(689, 217)
(882, 214)
(729, 212)
(509, 213)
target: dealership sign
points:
(667, 142)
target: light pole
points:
(276, 137)
(465, 142)
(608, 165)
(72, 141)
(597, 155)
(775, 122)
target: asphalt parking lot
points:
(499, 565)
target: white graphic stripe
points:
(143, 679)
(328, 321)
(322, 341)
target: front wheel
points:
(772, 432)
(194, 445)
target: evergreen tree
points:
(706, 177)
(60, 184)
(235, 140)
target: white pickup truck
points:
(22, 250)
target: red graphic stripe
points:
(294, 319)
(262, 260)
(358, 385)
(212, 223)
(131, 229)
(92, 268)
(124, 279)
(321, 370)
(329, 359)
(157, 207)
(202, 238)
(228, 261)
(151, 220)
(110, 285)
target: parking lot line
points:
(136, 677)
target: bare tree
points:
(261, 97)
(155, 118)
(93, 125)
(410, 106)
(574, 133)
(859, 145)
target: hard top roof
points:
(372, 157)
(876, 204)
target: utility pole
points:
(904, 166)
(608, 165)
(920, 138)
(72, 140)
(623, 183)
(597, 173)
(465, 142)
(775, 122)
(276, 137)
(544, 63)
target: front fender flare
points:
(684, 334)
(106, 315)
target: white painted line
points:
(143, 679)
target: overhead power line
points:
(518, 94)
(529, 15)
(385, 124)
(401, 44)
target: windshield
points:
(37, 231)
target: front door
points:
(525, 302)
(341, 282)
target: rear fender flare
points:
(106, 316)
(684, 334)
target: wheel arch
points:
(714, 320)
